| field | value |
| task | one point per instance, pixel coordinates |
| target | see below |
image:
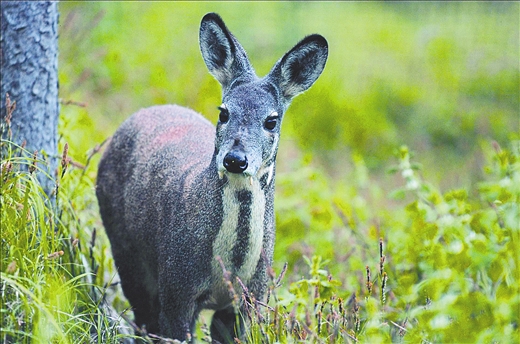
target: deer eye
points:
(223, 117)
(270, 122)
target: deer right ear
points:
(301, 66)
(223, 55)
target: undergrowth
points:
(51, 271)
(443, 268)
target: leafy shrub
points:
(449, 272)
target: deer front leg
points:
(178, 313)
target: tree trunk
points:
(29, 50)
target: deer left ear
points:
(224, 56)
(301, 66)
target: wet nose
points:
(235, 162)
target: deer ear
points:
(224, 56)
(301, 66)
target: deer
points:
(184, 202)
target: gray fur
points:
(170, 206)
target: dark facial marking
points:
(244, 197)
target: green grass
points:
(52, 272)
(438, 222)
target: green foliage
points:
(52, 291)
(458, 255)
(450, 271)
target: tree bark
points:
(29, 51)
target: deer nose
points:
(235, 162)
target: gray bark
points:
(29, 50)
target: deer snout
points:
(235, 162)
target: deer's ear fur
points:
(300, 67)
(225, 58)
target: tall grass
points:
(48, 269)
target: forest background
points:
(397, 177)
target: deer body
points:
(182, 200)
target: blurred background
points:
(438, 77)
